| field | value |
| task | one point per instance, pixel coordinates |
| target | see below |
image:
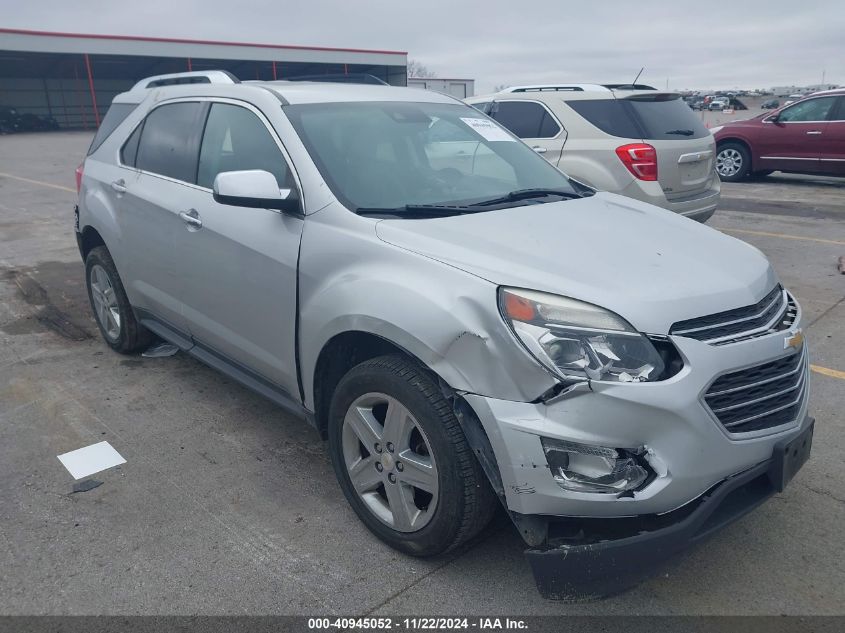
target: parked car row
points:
(465, 324)
(804, 137)
(12, 121)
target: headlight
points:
(579, 340)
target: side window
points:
(236, 139)
(810, 110)
(525, 119)
(129, 151)
(839, 110)
(608, 115)
(167, 144)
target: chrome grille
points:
(776, 311)
(761, 397)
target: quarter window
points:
(235, 139)
(129, 151)
(810, 110)
(116, 114)
(167, 145)
(525, 119)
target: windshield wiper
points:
(527, 194)
(681, 132)
(416, 211)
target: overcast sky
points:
(693, 44)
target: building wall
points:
(47, 74)
(460, 88)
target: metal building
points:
(460, 88)
(71, 78)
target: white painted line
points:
(91, 459)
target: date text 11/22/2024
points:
(422, 623)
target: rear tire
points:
(110, 305)
(732, 162)
(454, 500)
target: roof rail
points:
(195, 77)
(341, 78)
(557, 88)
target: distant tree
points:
(416, 69)
(499, 87)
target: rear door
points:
(685, 148)
(795, 141)
(163, 150)
(238, 264)
(832, 154)
(534, 123)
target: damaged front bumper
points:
(596, 557)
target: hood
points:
(648, 265)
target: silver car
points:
(465, 325)
(632, 140)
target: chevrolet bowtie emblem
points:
(794, 341)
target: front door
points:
(238, 265)
(832, 157)
(794, 141)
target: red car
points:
(805, 137)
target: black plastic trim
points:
(225, 365)
(601, 568)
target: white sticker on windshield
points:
(489, 130)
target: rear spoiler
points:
(650, 96)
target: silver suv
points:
(631, 140)
(449, 311)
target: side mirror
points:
(254, 188)
(775, 118)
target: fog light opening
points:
(595, 469)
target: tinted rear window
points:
(168, 144)
(114, 117)
(526, 119)
(648, 118)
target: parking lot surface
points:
(226, 505)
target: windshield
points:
(398, 156)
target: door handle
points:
(119, 186)
(539, 150)
(191, 218)
(814, 132)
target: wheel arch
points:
(90, 238)
(350, 348)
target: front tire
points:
(112, 311)
(732, 162)
(402, 460)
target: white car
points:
(631, 140)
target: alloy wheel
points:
(390, 462)
(105, 302)
(728, 162)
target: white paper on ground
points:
(489, 130)
(91, 459)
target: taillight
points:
(640, 159)
(79, 176)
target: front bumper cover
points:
(626, 550)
